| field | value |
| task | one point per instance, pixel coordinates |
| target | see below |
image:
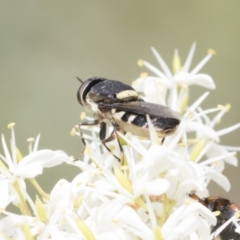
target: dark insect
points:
(121, 106)
(224, 209)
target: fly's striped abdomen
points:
(128, 116)
(140, 120)
(137, 123)
(168, 125)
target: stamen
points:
(212, 51)
(11, 125)
(226, 108)
(82, 115)
(30, 140)
(143, 74)
(140, 62)
(73, 132)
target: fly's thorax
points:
(128, 95)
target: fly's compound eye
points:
(85, 88)
(79, 96)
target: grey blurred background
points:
(44, 45)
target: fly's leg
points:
(102, 135)
(109, 139)
(103, 129)
(120, 146)
(89, 123)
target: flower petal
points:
(162, 63)
(188, 61)
(203, 80)
(220, 179)
(130, 218)
(4, 193)
(28, 171)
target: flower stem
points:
(167, 209)
(157, 233)
(23, 205)
(40, 210)
(26, 231)
(85, 229)
(44, 195)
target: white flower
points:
(11, 226)
(151, 86)
(206, 141)
(162, 176)
(191, 219)
(31, 165)
(143, 197)
(155, 180)
(14, 168)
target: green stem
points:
(23, 205)
(38, 188)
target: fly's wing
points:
(143, 108)
(131, 117)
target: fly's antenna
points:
(79, 79)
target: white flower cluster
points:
(145, 196)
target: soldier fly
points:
(119, 105)
(224, 209)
